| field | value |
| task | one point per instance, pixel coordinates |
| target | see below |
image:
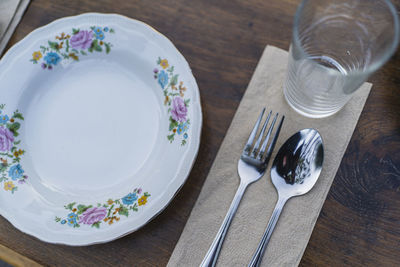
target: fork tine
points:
(272, 145)
(264, 145)
(253, 133)
(259, 139)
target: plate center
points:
(91, 126)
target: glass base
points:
(307, 113)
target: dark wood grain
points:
(223, 40)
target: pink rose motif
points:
(179, 109)
(81, 40)
(6, 139)
(93, 215)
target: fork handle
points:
(257, 257)
(213, 252)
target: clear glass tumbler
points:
(336, 45)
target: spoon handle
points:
(213, 252)
(257, 257)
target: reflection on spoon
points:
(296, 166)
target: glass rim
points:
(375, 65)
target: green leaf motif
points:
(98, 48)
(123, 211)
(95, 46)
(75, 31)
(171, 137)
(109, 211)
(44, 49)
(134, 208)
(96, 224)
(6, 154)
(70, 206)
(67, 44)
(174, 80)
(108, 48)
(80, 208)
(172, 123)
(173, 94)
(18, 115)
(57, 219)
(53, 45)
(14, 127)
(83, 208)
(187, 102)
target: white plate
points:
(100, 125)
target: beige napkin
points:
(297, 220)
(11, 12)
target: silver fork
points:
(251, 167)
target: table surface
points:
(223, 41)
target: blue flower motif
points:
(183, 127)
(180, 129)
(185, 136)
(15, 172)
(163, 79)
(63, 222)
(52, 58)
(99, 33)
(97, 30)
(4, 119)
(105, 29)
(129, 199)
(72, 219)
(100, 37)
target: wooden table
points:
(222, 40)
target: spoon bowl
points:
(298, 164)
(294, 172)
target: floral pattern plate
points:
(100, 123)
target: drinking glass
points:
(336, 45)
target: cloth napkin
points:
(11, 12)
(299, 215)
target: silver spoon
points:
(294, 172)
